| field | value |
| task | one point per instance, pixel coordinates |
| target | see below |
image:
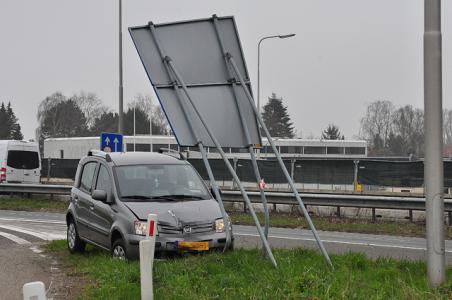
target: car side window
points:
(87, 176)
(104, 180)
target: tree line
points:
(9, 124)
(398, 131)
(84, 114)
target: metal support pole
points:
(226, 161)
(134, 128)
(355, 174)
(433, 164)
(281, 163)
(121, 88)
(216, 191)
(234, 161)
(263, 198)
(245, 129)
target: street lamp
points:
(121, 88)
(284, 36)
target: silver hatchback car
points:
(113, 194)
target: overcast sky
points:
(345, 55)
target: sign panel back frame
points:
(201, 64)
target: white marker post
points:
(34, 291)
(147, 248)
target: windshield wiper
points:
(183, 196)
(137, 197)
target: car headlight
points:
(219, 225)
(140, 227)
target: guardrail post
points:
(449, 218)
(411, 215)
(147, 248)
(373, 215)
(338, 211)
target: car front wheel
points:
(119, 250)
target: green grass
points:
(245, 274)
(32, 204)
(400, 228)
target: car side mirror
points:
(100, 195)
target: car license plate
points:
(197, 246)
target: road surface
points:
(25, 228)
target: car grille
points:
(195, 228)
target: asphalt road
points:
(22, 259)
(25, 228)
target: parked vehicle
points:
(20, 162)
(113, 194)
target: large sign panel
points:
(195, 50)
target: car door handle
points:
(91, 206)
(76, 199)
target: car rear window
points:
(18, 159)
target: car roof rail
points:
(170, 152)
(99, 153)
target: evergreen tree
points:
(107, 122)
(4, 130)
(9, 126)
(14, 127)
(277, 119)
(332, 133)
(64, 119)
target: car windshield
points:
(160, 183)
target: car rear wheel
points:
(118, 250)
(74, 243)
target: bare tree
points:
(146, 104)
(91, 106)
(408, 124)
(376, 124)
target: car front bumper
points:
(166, 243)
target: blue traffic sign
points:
(111, 142)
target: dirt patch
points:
(64, 282)
(21, 264)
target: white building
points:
(75, 148)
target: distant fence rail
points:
(304, 171)
(357, 200)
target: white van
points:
(20, 162)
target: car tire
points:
(74, 243)
(118, 251)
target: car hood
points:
(175, 213)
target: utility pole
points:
(433, 163)
(121, 88)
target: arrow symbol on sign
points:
(115, 141)
(107, 140)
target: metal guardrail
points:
(315, 199)
(50, 189)
(339, 200)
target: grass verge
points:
(244, 274)
(32, 204)
(340, 224)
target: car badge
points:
(187, 229)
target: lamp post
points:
(121, 88)
(284, 36)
